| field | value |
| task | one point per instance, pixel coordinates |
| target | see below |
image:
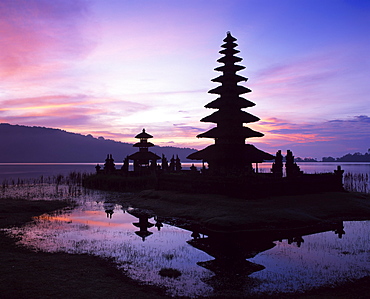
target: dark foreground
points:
(27, 274)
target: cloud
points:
(188, 129)
(356, 119)
(37, 36)
(330, 138)
(321, 85)
(68, 111)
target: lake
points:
(13, 171)
(107, 224)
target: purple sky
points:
(112, 67)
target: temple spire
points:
(230, 154)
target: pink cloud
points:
(298, 79)
(40, 33)
(74, 112)
(329, 138)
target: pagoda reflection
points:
(231, 251)
(143, 223)
(230, 264)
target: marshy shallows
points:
(100, 226)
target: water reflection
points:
(229, 261)
(143, 223)
(141, 244)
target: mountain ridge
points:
(26, 144)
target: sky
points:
(110, 68)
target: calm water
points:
(14, 171)
(107, 225)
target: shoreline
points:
(43, 274)
(28, 274)
(272, 215)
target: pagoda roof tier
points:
(229, 38)
(229, 78)
(225, 101)
(143, 144)
(229, 51)
(230, 68)
(144, 156)
(242, 132)
(234, 90)
(238, 116)
(229, 45)
(243, 152)
(229, 59)
(143, 134)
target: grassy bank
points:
(26, 274)
(222, 213)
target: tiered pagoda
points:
(144, 159)
(230, 154)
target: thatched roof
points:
(143, 144)
(227, 90)
(229, 38)
(242, 152)
(230, 68)
(225, 101)
(236, 116)
(143, 134)
(229, 78)
(229, 59)
(229, 51)
(144, 156)
(241, 132)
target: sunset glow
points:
(110, 68)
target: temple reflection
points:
(230, 264)
(339, 230)
(143, 223)
(109, 208)
(231, 251)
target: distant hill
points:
(356, 157)
(23, 144)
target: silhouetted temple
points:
(230, 154)
(144, 159)
(229, 159)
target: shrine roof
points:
(229, 51)
(144, 156)
(241, 132)
(229, 78)
(229, 90)
(230, 68)
(244, 152)
(143, 134)
(229, 59)
(229, 37)
(143, 144)
(225, 101)
(235, 116)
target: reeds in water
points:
(57, 186)
(356, 182)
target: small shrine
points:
(230, 154)
(144, 159)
